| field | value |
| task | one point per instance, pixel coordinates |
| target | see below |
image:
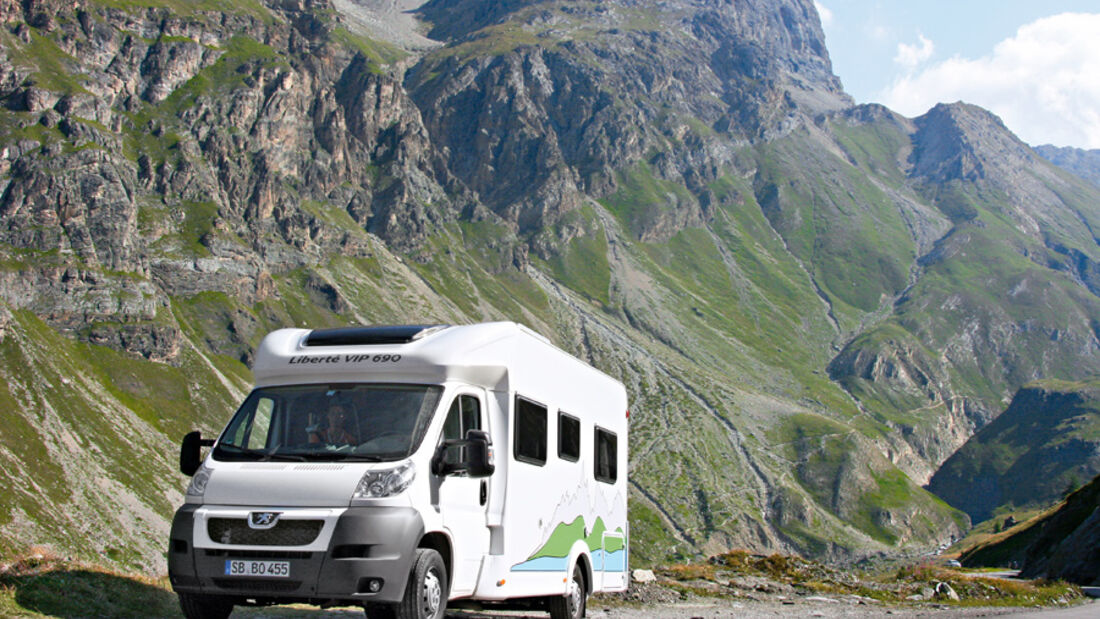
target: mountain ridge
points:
(795, 290)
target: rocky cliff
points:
(811, 304)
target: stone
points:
(945, 592)
(643, 576)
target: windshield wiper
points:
(234, 450)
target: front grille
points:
(285, 532)
(257, 585)
(258, 554)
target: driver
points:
(334, 431)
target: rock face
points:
(812, 304)
(573, 92)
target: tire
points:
(426, 592)
(199, 606)
(571, 605)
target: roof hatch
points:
(371, 335)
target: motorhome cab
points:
(406, 469)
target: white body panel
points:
(535, 522)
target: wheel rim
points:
(576, 598)
(433, 593)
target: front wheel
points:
(426, 593)
(572, 604)
(198, 606)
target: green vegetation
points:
(582, 263)
(642, 199)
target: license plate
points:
(272, 569)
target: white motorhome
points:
(408, 469)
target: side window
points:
(569, 437)
(607, 445)
(465, 414)
(530, 433)
(261, 424)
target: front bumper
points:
(366, 543)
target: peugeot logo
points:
(263, 520)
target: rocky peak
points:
(959, 141)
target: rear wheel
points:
(426, 593)
(572, 604)
(198, 606)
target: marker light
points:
(381, 483)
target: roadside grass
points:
(723, 575)
(40, 584)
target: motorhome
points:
(406, 469)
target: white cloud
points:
(824, 13)
(1044, 82)
(909, 56)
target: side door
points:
(463, 500)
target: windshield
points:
(369, 422)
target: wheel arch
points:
(582, 557)
(585, 562)
(441, 543)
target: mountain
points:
(1047, 440)
(1063, 543)
(1083, 163)
(812, 304)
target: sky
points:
(1034, 63)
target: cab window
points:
(464, 415)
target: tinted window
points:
(606, 456)
(464, 415)
(530, 437)
(569, 437)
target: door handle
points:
(484, 492)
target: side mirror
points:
(472, 456)
(191, 452)
(479, 454)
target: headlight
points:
(199, 480)
(381, 483)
